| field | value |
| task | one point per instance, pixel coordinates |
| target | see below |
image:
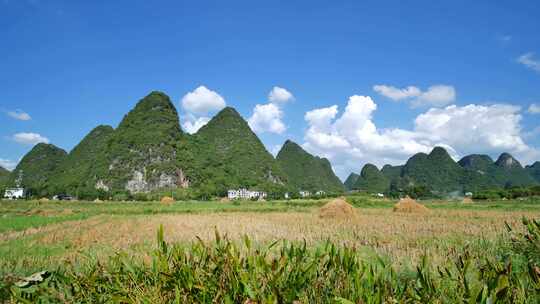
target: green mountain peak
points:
(440, 154)
(305, 171)
(38, 166)
(476, 162)
(350, 181)
(372, 180)
(85, 165)
(507, 161)
(226, 153)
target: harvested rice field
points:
(64, 236)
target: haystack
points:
(43, 200)
(224, 200)
(67, 212)
(408, 205)
(167, 200)
(467, 200)
(337, 208)
(97, 200)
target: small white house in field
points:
(380, 195)
(468, 194)
(305, 193)
(286, 195)
(320, 193)
(14, 193)
(243, 193)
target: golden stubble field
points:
(403, 237)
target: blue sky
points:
(474, 69)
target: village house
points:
(305, 193)
(243, 193)
(14, 193)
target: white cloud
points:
(30, 138)
(437, 95)
(397, 93)
(7, 164)
(353, 139)
(202, 100)
(321, 118)
(193, 124)
(197, 105)
(19, 115)
(534, 108)
(474, 128)
(267, 118)
(279, 95)
(529, 61)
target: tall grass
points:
(223, 271)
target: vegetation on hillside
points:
(436, 170)
(350, 181)
(515, 174)
(391, 172)
(4, 178)
(225, 153)
(438, 175)
(372, 180)
(307, 172)
(37, 168)
(534, 170)
(80, 171)
(143, 149)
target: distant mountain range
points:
(149, 151)
(439, 173)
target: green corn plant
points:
(227, 271)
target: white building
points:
(14, 193)
(286, 195)
(320, 193)
(305, 193)
(243, 193)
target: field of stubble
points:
(53, 235)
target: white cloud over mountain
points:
(353, 139)
(193, 124)
(197, 105)
(269, 117)
(436, 96)
(30, 138)
(202, 100)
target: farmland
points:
(408, 253)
